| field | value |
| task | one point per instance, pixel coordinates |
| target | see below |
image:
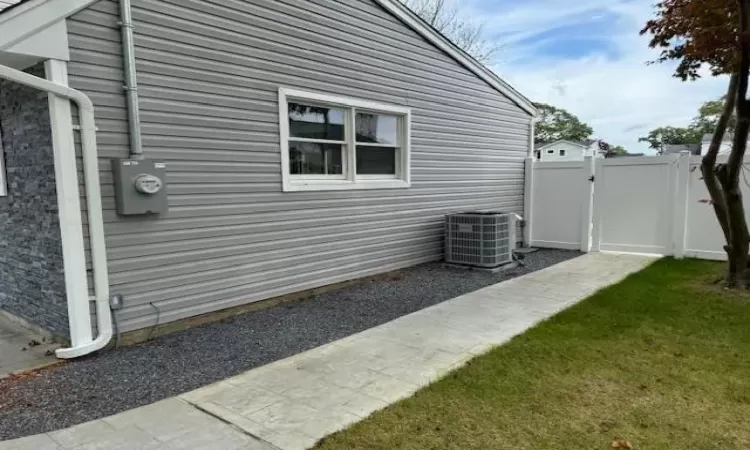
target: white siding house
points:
(567, 151)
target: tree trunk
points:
(708, 165)
(729, 175)
(739, 241)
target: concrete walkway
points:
(293, 403)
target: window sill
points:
(326, 185)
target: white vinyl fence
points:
(654, 205)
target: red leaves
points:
(696, 32)
(622, 445)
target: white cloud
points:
(620, 96)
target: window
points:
(562, 152)
(316, 140)
(335, 143)
(550, 152)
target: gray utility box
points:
(140, 186)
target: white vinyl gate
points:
(656, 205)
(559, 214)
(633, 204)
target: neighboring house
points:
(726, 144)
(300, 143)
(693, 149)
(567, 150)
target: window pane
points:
(376, 160)
(378, 128)
(308, 158)
(316, 122)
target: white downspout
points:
(529, 184)
(96, 224)
(532, 137)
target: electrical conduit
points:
(131, 83)
(94, 204)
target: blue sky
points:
(587, 56)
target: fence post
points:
(587, 208)
(528, 202)
(679, 224)
(596, 225)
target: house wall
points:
(32, 284)
(572, 152)
(209, 74)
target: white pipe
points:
(528, 182)
(68, 206)
(131, 83)
(94, 203)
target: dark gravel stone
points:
(126, 378)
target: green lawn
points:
(661, 360)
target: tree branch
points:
(450, 19)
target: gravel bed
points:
(126, 378)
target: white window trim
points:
(350, 181)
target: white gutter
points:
(96, 225)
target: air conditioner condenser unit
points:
(480, 239)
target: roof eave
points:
(411, 19)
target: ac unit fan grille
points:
(480, 240)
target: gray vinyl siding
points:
(209, 73)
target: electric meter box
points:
(140, 186)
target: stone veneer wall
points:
(32, 284)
